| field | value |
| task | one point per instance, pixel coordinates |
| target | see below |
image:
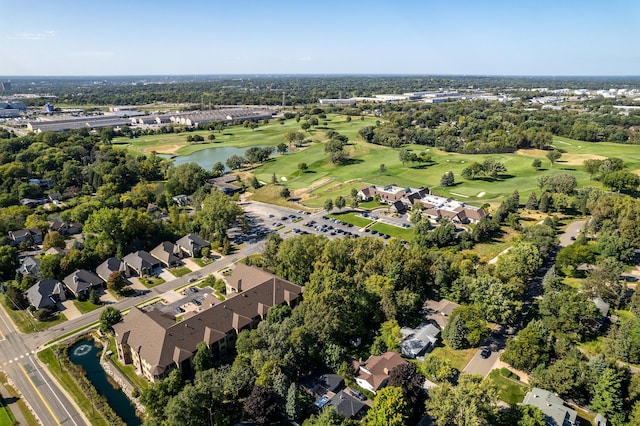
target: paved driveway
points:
(70, 311)
(189, 263)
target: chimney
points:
(239, 285)
(236, 322)
(386, 371)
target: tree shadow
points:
(309, 171)
(572, 169)
(352, 161)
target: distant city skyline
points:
(494, 37)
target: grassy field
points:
(48, 357)
(394, 231)
(324, 180)
(6, 416)
(150, 282)
(180, 271)
(509, 390)
(22, 406)
(85, 306)
(26, 323)
(352, 218)
(458, 357)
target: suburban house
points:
(156, 344)
(435, 207)
(192, 245)
(31, 236)
(392, 194)
(55, 251)
(140, 263)
(439, 312)
(373, 374)
(81, 282)
(167, 253)
(226, 183)
(182, 200)
(65, 228)
(46, 293)
(553, 408)
(348, 405)
(418, 341)
(109, 266)
(29, 267)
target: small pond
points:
(87, 355)
(206, 158)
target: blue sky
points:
(490, 37)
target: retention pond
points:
(87, 355)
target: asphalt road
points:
(17, 351)
(497, 340)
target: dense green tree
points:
(94, 298)
(8, 262)
(438, 369)
(528, 349)
(327, 417)
(217, 213)
(185, 179)
(155, 397)
(568, 376)
(447, 179)
(604, 281)
(621, 180)
(389, 408)
(285, 193)
(471, 402)
(474, 327)
(537, 163)
(328, 204)
(553, 156)
(109, 317)
(303, 167)
(203, 358)
(608, 398)
(235, 162)
(498, 301)
(532, 201)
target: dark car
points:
(485, 353)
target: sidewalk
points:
(12, 404)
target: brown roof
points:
(156, 338)
(375, 370)
(475, 214)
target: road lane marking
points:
(51, 389)
(39, 394)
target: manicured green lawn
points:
(180, 271)
(128, 370)
(150, 282)
(85, 306)
(48, 357)
(458, 357)
(27, 323)
(394, 231)
(22, 406)
(201, 261)
(6, 416)
(509, 390)
(352, 218)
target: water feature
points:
(206, 158)
(87, 355)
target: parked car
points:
(485, 353)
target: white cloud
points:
(33, 36)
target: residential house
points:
(192, 245)
(226, 184)
(46, 293)
(81, 282)
(348, 405)
(33, 202)
(373, 374)
(29, 267)
(64, 228)
(553, 408)
(418, 341)
(439, 312)
(109, 266)
(140, 263)
(156, 344)
(182, 200)
(167, 253)
(54, 251)
(30, 236)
